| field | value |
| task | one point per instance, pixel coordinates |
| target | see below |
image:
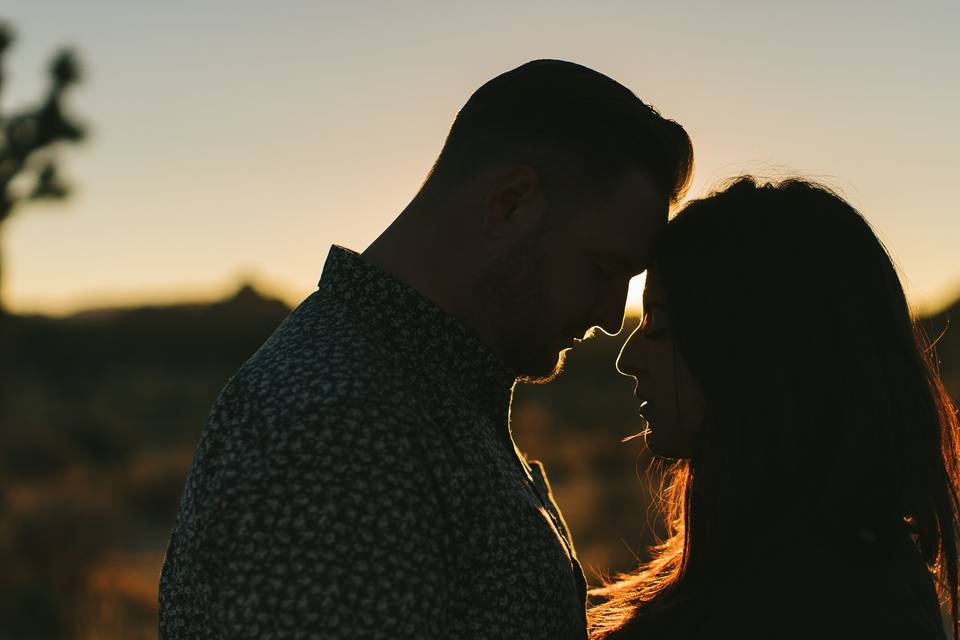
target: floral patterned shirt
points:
(357, 479)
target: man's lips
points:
(572, 340)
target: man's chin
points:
(542, 371)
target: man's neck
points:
(413, 249)
(410, 250)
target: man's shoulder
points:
(322, 356)
(321, 336)
(320, 411)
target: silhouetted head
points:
(780, 357)
(563, 177)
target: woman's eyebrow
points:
(627, 265)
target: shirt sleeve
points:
(328, 528)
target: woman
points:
(815, 492)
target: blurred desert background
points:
(172, 177)
(101, 412)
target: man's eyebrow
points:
(636, 268)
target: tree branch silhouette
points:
(29, 139)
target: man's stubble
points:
(512, 296)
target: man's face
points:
(552, 287)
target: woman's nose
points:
(630, 360)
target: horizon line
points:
(175, 295)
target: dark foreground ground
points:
(100, 413)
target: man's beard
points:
(512, 297)
(555, 369)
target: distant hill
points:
(225, 333)
(228, 330)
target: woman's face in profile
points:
(671, 400)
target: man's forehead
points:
(638, 206)
(638, 186)
(638, 212)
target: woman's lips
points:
(646, 423)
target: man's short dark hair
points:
(578, 127)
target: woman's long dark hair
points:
(821, 389)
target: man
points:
(357, 477)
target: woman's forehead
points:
(651, 288)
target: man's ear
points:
(514, 204)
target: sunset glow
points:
(234, 142)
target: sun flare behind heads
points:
(635, 295)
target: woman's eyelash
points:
(647, 328)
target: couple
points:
(357, 477)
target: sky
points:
(236, 141)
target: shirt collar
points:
(433, 338)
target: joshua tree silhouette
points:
(29, 138)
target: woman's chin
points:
(663, 446)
